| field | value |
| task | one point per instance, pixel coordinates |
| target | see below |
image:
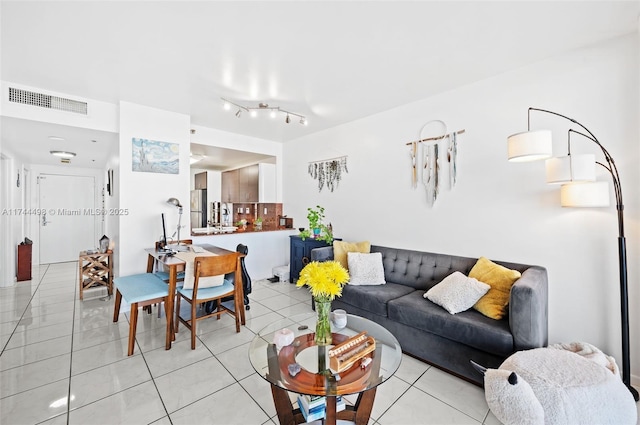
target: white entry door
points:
(67, 217)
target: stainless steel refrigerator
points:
(199, 208)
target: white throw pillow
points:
(365, 269)
(457, 292)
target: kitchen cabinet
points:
(248, 183)
(300, 254)
(230, 186)
(201, 180)
(241, 185)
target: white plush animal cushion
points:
(571, 389)
(511, 398)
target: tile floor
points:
(64, 361)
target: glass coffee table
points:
(314, 377)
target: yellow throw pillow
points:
(494, 303)
(340, 250)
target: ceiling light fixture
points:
(63, 154)
(193, 158)
(255, 110)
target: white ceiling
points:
(333, 62)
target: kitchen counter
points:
(268, 248)
(250, 229)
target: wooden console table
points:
(95, 270)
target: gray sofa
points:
(427, 331)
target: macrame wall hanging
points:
(430, 164)
(328, 172)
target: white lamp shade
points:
(586, 195)
(529, 146)
(571, 168)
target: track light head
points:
(239, 113)
(287, 120)
(303, 121)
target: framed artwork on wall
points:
(150, 156)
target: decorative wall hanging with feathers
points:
(428, 164)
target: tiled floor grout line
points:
(23, 311)
(73, 324)
(164, 406)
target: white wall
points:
(144, 195)
(112, 202)
(499, 209)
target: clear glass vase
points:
(323, 326)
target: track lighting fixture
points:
(254, 111)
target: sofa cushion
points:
(494, 303)
(468, 327)
(365, 269)
(373, 298)
(341, 249)
(457, 292)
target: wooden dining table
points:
(172, 263)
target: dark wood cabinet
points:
(248, 178)
(300, 254)
(230, 186)
(201, 180)
(240, 185)
(24, 262)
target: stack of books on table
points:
(314, 407)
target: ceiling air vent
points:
(46, 101)
(65, 160)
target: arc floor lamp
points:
(576, 173)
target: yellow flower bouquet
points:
(325, 281)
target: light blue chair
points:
(139, 290)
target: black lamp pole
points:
(610, 166)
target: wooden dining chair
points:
(139, 290)
(213, 266)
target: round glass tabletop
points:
(297, 364)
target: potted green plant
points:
(257, 223)
(315, 217)
(317, 229)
